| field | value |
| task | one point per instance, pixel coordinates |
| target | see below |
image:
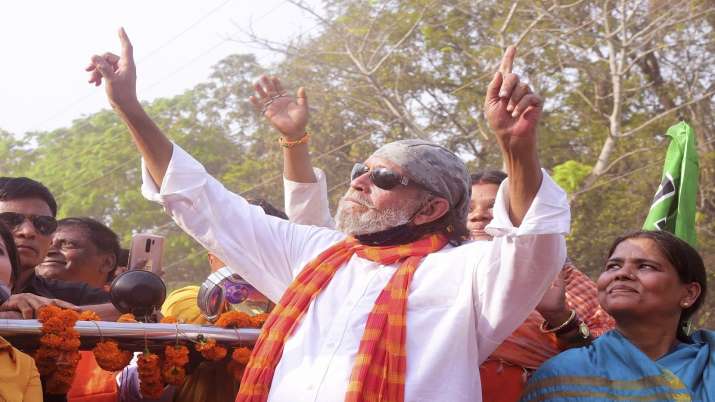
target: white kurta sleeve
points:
(307, 203)
(266, 251)
(521, 264)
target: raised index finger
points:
(507, 60)
(127, 50)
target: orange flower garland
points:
(110, 357)
(209, 349)
(128, 317)
(89, 315)
(239, 360)
(150, 383)
(175, 358)
(58, 354)
(234, 319)
(258, 320)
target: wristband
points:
(290, 144)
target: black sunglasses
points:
(383, 178)
(45, 225)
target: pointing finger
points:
(127, 48)
(507, 60)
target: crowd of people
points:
(428, 284)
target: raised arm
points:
(120, 77)
(306, 195)
(513, 113)
(289, 116)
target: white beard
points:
(358, 220)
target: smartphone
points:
(146, 253)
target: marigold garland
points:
(150, 383)
(239, 360)
(58, 354)
(89, 315)
(234, 319)
(128, 317)
(209, 349)
(110, 356)
(175, 358)
(258, 320)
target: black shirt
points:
(79, 294)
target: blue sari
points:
(613, 369)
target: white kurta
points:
(463, 301)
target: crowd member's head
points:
(28, 208)
(485, 186)
(652, 275)
(9, 260)
(405, 190)
(82, 250)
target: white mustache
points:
(356, 197)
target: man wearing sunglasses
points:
(28, 208)
(397, 310)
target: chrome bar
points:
(24, 334)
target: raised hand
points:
(287, 114)
(119, 73)
(511, 109)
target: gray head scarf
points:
(433, 167)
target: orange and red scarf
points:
(379, 370)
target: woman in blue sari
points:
(652, 284)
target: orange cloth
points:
(379, 371)
(501, 382)
(91, 383)
(19, 378)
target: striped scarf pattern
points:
(378, 374)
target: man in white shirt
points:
(460, 303)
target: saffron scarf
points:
(613, 369)
(379, 370)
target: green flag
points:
(673, 207)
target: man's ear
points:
(432, 210)
(109, 262)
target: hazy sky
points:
(46, 44)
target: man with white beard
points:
(397, 311)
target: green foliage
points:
(570, 174)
